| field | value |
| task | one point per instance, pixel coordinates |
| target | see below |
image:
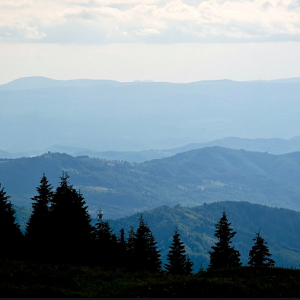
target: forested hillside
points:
(191, 178)
(197, 225)
(279, 227)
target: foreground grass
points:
(23, 279)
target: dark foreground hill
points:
(32, 280)
(191, 178)
(279, 227)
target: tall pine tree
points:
(71, 230)
(123, 256)
(146, 254)
(38, 227)
(259, 255)
(224, 255)
(178, 262)
(11, 236)
(129, 246)
(106, 243)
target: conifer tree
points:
(11, 236)
(71, 230)
(106, 242)
(179, 263)
(259, 255)
(188, 265)
(146, 254)
(130, 263)
(130, 240)
(121, 239)
(37, 229)
(122, 254)
(223, 255)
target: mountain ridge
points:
(145, 115)
(37, 82)
(121, 188)
(272, 146)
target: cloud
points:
(161, 21)
(20, 30)
(147, 31)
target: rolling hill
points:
(272, 146)
(191, 178)
(279, 228)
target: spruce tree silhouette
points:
(106, 243)
(38, 227)
(121, 238)
(188, 265)
(146, 254)
(223, 255)
(130, 264)
(10, 234)
(71, 231)
(179, 263)
(259, 255)
(122, 256)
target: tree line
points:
(59, 230)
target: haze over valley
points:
(92, 115)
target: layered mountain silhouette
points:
(191, 178)
(100, 115)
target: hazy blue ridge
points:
(38, 82)
(272, 146)
(121, 188)
(101, 116)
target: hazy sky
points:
(160, 40)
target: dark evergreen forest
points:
(60, 230)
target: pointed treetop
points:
(259, 254)
(64, 178)
(178, 261)
(100, 215)
(223, 255)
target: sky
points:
(159, 40)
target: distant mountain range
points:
(39, 82)
(272, 146)
(102, 115)
(190, 178)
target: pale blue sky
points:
(177, 41)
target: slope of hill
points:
(272, 146)
(190, 178)
(279, 227)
